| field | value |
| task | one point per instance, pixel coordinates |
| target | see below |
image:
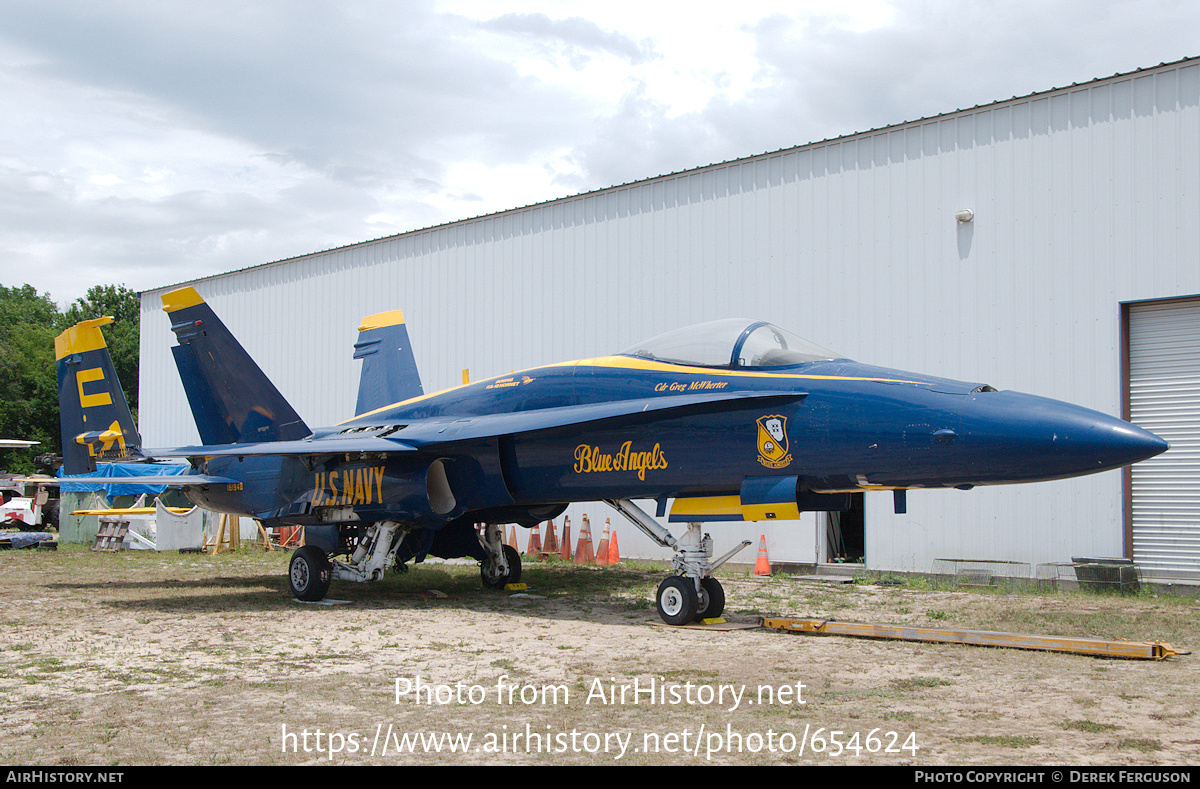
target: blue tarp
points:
(25, 539)
(122, 470)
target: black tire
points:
(309, 573)
(50, 515)
(712, 599)
(511, 577)
(677, 600)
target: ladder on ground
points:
(111, 534)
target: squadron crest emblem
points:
(773, 441)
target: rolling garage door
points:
(1164, 397)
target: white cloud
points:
(145, 143)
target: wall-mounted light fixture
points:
(965, 215)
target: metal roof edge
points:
(690, 170)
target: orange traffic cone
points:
(564, 550)
(602, 546)
(614, 555)
(512, 538)
(583, 548)
(551, 546)
(762, 566)
(534, 546)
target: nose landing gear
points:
(692, 593)
(677, 601)
(681, 600)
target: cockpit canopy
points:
(732, 342)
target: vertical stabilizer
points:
(92, 412)
(232, 400)
(389, 370)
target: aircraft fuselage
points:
(833, 426)
(733, 419)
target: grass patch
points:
(1004, 741)
(189, 646)
(919, 683)
(1091, 727)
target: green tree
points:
(28, 382)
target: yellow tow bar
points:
(1144, 650)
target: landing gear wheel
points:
(491, 575)
(309, 573)
(677, 600)
(712, 599)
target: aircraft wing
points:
(428, 432)
(332, 445)
(461, 428)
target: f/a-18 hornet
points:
(731, 420)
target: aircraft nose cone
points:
(1109, 442)
(1131, 443)
(1051, 439)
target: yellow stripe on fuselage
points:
(410, 400)
(634, 363)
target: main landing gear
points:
(309, 573)
(503, 563)
(311, 570)
(692, 594)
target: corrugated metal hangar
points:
(1075, 275)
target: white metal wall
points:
(1083, 198)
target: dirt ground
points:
(139, 658)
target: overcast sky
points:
(148, 143)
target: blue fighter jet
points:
(729, 420)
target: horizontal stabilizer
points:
(169, 480)
(133, 511)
